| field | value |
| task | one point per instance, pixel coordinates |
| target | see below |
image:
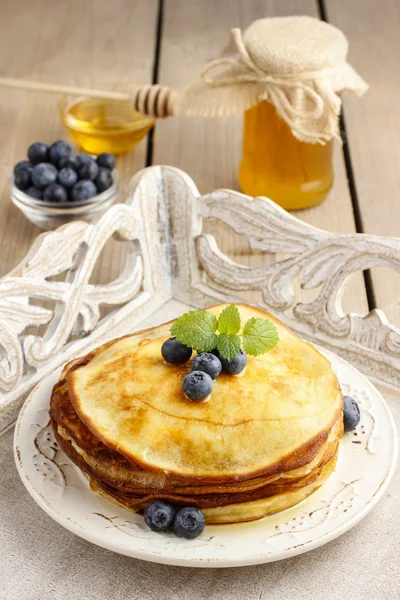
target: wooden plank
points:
(83, 43)
(209, 149)
(373, 125)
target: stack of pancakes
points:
(262, 442)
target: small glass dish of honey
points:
(100, 125)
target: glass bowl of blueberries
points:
(56, 185)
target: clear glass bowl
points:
(100, 125)
(50, 215)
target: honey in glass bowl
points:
(276, 164)
(100, 125)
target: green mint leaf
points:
(228, 345)
(196, 329)
(229, 320)
(259, 336)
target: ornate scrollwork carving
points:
(321, 260)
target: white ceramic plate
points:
(366, 464)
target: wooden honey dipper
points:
(154, 100)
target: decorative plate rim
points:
(214, 562)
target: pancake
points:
(137, 501)
(252, 425)
(112, 466)
(250, 511)
(144, 483)
(239, 512)
(263, 441)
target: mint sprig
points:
(229, 320)
(259, 336)
(196, 329)
(228, 345)
(203, 332)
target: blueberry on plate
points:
(197, 385)
(351, 413)
(38, 153)
(106, 160)
(23, 165)
(103, 180)
(87, 168)
(60, 149)
(22, 179)
(83, 190)
(159, 515)
(55, 193)
(235, 366)
(175, 352)
(69, 161)
(43, 175)
(189, 522)
(34, 192)
(67, 177)
(208, 363)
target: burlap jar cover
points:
(296, 63)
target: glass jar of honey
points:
(293, 173)
(285, 75)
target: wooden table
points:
(111, 42)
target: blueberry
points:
(60, 149)
(23, 165)
(351, 413)
(43, 174)
(38, 153)
(106, 160)
(83, 190)
(189, 522)
(67, 177)
(69, 161)
(82, 159)
(22, 179)
(236, 365)
(55, 193)
(103, 180)
(87, 167)
(208, 363)
(197, 385)
(174, 352)
(34, 192)
(159, 515)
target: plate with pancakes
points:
(264, 457)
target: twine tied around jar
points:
(298, 64)
(247, 71)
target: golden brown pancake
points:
(132, 400)
(112, 466)
(262, 442)
(138, 499)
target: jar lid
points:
(292, 45)
(296, 63)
